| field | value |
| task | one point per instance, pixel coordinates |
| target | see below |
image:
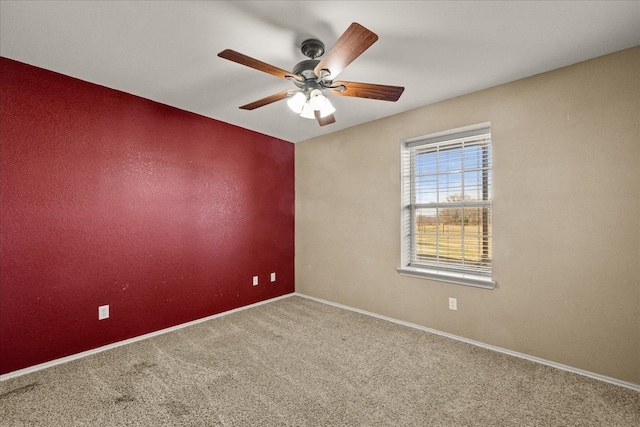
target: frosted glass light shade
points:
(307, 112)
(316, 99)
(297, 102)
(326, 108)
(320, 103)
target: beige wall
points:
(566, 159)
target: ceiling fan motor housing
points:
(305, 69)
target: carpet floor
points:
(298, 362)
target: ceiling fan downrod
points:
(312, 48)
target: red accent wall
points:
(108, 198)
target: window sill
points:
(466, 279)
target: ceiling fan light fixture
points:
(297, 102)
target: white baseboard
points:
(76, 356)
(632, 386)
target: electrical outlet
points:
(453, 304)
(255, 280)
(103, 312)
(273, 277)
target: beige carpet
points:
(297, 362)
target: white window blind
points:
(447, 202)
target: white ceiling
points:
(167, 51)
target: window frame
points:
(436, 270)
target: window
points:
(447, 206)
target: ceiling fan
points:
(313, 76)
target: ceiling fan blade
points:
(326, 120)
(269, 99)
(240, 58)
(349, 46)
(367, 90)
